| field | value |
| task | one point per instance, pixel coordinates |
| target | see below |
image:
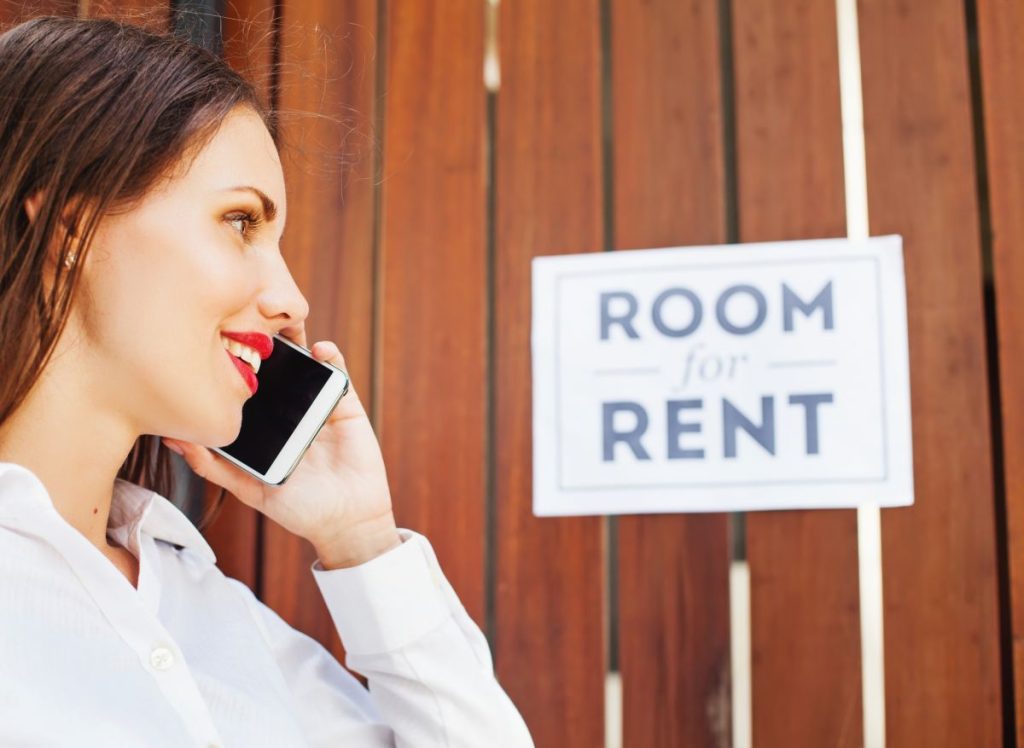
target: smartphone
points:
(296, 393)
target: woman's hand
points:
(337, 497)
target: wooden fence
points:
(417, 196)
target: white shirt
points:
(192, 658)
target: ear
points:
(34, 202)
(32, 205)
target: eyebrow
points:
(269, 207)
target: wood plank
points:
(548, 200)
(669, 189)
(1000, 28)
(805, 636)
(941, 612)
(326, 94)
(234, 534)
(14, 13)
(248, 43)
(432, 362)
(154, 15)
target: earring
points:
(70, 260)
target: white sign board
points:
(722, 378)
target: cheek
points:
(169, 287)
(166, 295)
(215, 274)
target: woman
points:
(142, 207)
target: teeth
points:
(244, 352)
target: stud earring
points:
(70, 258)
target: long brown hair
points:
(94, 113)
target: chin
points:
(232, 433)
(224, 430)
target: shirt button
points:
(161, 658)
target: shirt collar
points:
(130, 503)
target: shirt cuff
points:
(387, 602)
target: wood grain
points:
(669, 190)
(12, 13)
(941, 617)
(431, 352)
(154, 15)
(1001, 57)
(805, 637)
(549, 643)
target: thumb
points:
(212, 467)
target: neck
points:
(73, 444)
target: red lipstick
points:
(262, 344)
(246, 371)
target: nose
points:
(281, 300)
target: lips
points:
(246, 371)
(262, 344)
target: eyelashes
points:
(253, 220)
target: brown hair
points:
(94, 113)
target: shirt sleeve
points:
(428, 667)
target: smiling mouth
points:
(245, 371)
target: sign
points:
(721, 378)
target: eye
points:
(248, 221)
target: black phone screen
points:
(289, 382)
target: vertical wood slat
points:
(941, 616)
(549, 645)
(1000, 29)
(805, 634)
(248, 48)
(15, 13)
(431, 376)
(326, 94)
(248, 38)
(150, 14)
(669, 189)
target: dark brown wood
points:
(12, 13)
(941, 616)
(432, 350)
(1000, 29)
(549, 641)
(326, 95)
(249, 39)
(674, 630)
(670, 190)
(233, 534)
(154, 15)
(805, 633)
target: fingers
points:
(328, 352)
(349, 406)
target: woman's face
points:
(161, 282)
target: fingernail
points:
(173, 447)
